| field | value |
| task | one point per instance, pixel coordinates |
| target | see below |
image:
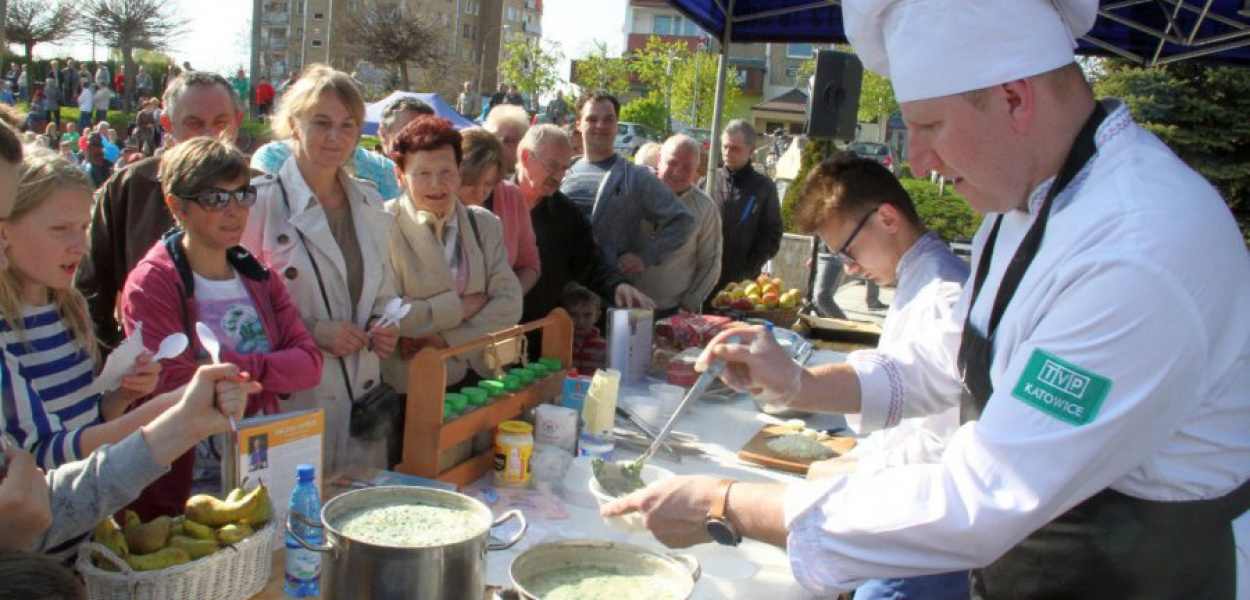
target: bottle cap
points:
(305, 472)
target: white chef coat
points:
(930, 278)
(1142, 278)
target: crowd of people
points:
(992, 414)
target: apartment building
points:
(295, 33)
(765, 71)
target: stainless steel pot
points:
(357, 570)
(532, 571)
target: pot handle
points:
(324, 549)
(691, 563)
(505, 544)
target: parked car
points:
(878, 152)
(703, 136)
(631, 136)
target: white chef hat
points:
(933, 48)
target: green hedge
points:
(949, 215)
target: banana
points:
(196, 530)
(194, 548)
(215, 513)
(158, 560)
(234, 533)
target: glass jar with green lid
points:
(494, 387)
(511, 382)
(524, 373)
(553, 364)
(448, 413)
(538, 369)
(476, 396)
(457, 402)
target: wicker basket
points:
(237, 571)
(780, 317)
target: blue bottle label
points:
(302, 565)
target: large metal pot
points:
(670, 576)
(357, 570)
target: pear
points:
(158, 560)
(149, 537)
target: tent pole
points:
(713, 155)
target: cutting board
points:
(757, 451)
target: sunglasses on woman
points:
(216, 199)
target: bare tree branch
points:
(34, 22)
(391, 35)
(130, 25)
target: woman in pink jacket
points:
(482, 184)
(199, 273)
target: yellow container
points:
(514, 444)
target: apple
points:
(771, 287)
(763, 278)
(722, 300)
(778, 282)
(737, 294)
(742, 304)
(753, 290)
(770, 300)
(789, 300)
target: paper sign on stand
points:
(629, 342)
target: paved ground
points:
(851, 299)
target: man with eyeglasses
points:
(857, 206)
(566, 247)
(130, 213)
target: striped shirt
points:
(44, 381)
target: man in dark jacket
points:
(566, 245)
(750, 212)
(130, 213)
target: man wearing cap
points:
(1106, 336)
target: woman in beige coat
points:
(449, 259)
(314, 218)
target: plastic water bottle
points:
(303, 566)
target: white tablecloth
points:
(752, 570)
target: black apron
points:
(1111, 546)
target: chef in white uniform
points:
(1105, 355)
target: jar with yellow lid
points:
(514, 444)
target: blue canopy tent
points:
(1148, 32)
(373, 112)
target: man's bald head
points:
(679, 163)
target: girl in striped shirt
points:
(48, 355)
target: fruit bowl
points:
(760, 298)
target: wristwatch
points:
(717, 525)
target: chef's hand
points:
(628, 296)
(25, 511)
(339, 338)
(628, 264)
(756, 364)
(673, 509)
(382, 339)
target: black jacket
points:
(750, 216)
(567, 250)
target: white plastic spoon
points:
(171, 346)
(209, 340)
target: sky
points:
(218, 38)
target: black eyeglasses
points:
(844, 253)
(216, 199)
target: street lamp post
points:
(668, 97)
(694, 101)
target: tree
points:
(694, 88)
(649, 111)
(393, 36)
(876, 101)
(34, 22)
(1200, 112)
(131, 25)
(531, 66)
(598, 71)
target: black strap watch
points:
(717, 524)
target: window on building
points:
(740, 76)
(797, 128)
(792, 72)
(318, 16)
(662, 25)
(688, 28)
(803, 51)
(299, 8)
(316, 43)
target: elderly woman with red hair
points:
(448, 258)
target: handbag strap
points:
(325, 299)
(477, 235)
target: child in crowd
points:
(49, 405)
(590, 349)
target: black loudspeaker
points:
(834, 101)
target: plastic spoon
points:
(626, 475)
(209, 340)
(171, 346)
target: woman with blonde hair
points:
(49, 351)
(325, 234)
(482, 183)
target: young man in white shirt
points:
(859, 204)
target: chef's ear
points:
(891, 218)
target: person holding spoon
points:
(198, 273)
(49, 351)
